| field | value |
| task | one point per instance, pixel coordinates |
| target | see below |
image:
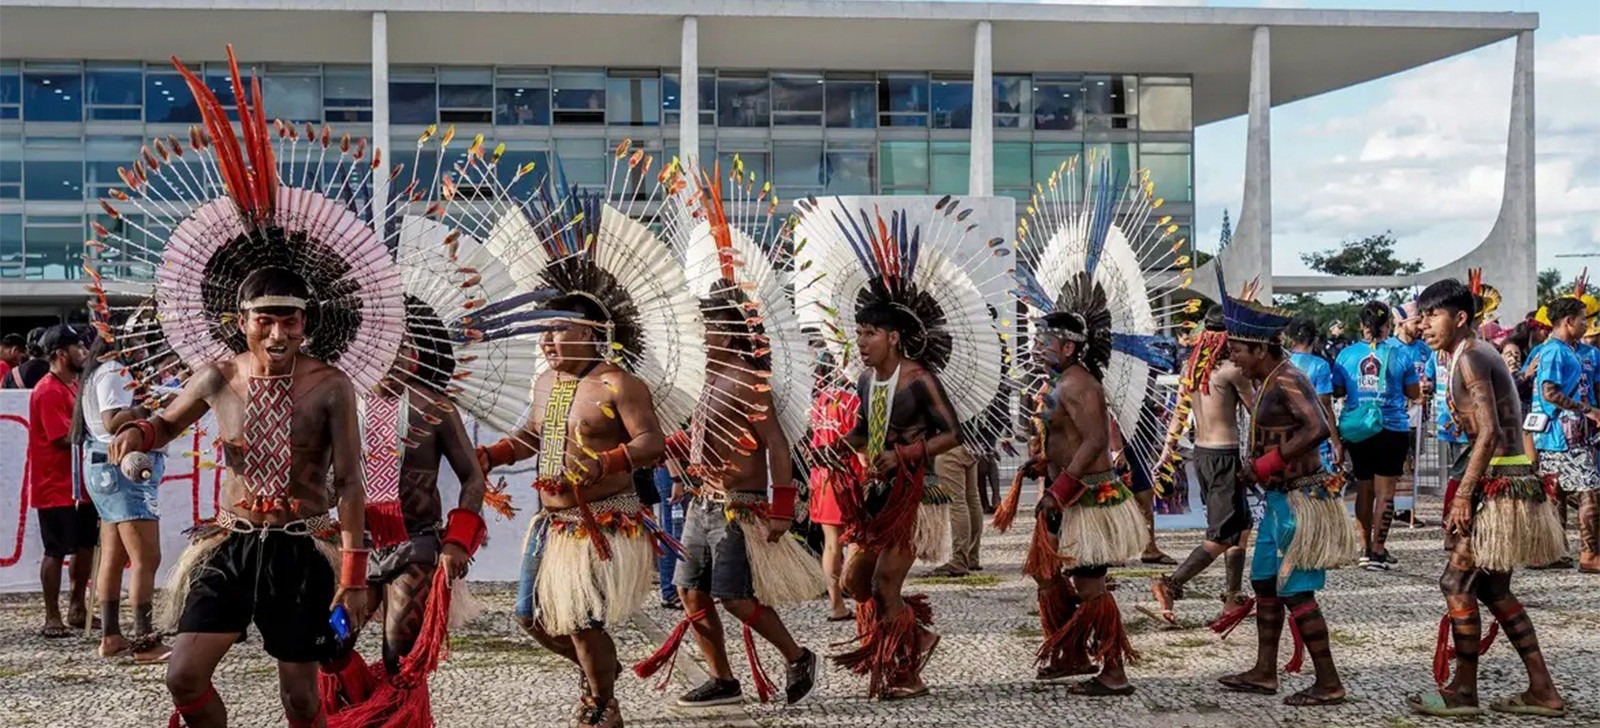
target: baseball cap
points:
(58, 338)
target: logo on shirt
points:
(1369, 369)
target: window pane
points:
(797, 169)
(952, 104)
(754, 163)
(1013, 165)
(115, 85)
(1124, 159)
(220, 81)
(584, 161)
(797, 100)
(53, 96)
(513, 160)
(10, 169)
(952, 167)
(105, 155)
(1169, 173)
(852, 104)
(1110, 96)
(10, 246)
(292, 98)
(413, 102)
(1049, 158)
(1165, 108)
(849, 172)
(742, 102)
(53, 250)
(466, 95)
(1058, 105)
(580, 97)
(633, 101)
(53, 170)
(523, 100)
(905, 164)
(167, 100)
(1012, 101)
(10, 85)
(903, 100)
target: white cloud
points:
(1427, 160)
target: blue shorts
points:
(1273, 537)
(527, 606)
(116, 497)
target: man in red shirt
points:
(67, 525)
(12, 349)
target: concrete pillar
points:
(380, 111)
(689, 93)
(1514, 238)
(1251, 250)
(980, 182)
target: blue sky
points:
(1421, 153)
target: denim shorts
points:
(115, 497)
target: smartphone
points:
(340, 622)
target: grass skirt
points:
(1325, 535)
(784, 572)
(575, 586)
(933, 539)
(1517, 523)
(1104, 526)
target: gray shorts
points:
(389, 562)
(1227, 510)
(715, 560)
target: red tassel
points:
(386, 524)
(666, 655)
(349, 683)
(1097, 626)
(758, 675)
(1224, 624)
(896, 524)
(1443, 653)
(1006, 512)
(1298, 659)
(1043, 561)
(602, 545)
(888, 647)
(1057, 605)
(402, 700)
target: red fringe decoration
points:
(1443, 652)
(602, 545)
(177, 721)
(1224, 624)
(386, 524)
(1298, 659)
(1044, 562)
(1450, 493)
(758, 674)
(666, 655)
(1006, 512)
(888, 647)
(348, 684)
(1097, 626)
(1057, 606)
(402, 700)
(894, 526)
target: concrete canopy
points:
(1316, 51)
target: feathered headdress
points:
(1249, 320)
(916, 272)
(219, 205)
(1488, 297)
(1081, 249)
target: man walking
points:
(67, 521)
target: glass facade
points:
(66, 126)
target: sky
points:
(1421, 153)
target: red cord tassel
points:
(1443, 653)
(1006, 512)
(177, 721)
(602, 545)
(1298, 659)
(666, 655)
(888, 646)
(1224, 624)
(348, 684)
(402, 700)
(896, 524)
(1097, 626)
(758, 675)
(1043, 561)
(1057, 605)
(386, 524)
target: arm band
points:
(147, 433)
(1268, 465)
(782, 505)
(503, 452)
(912, 454)
(1066, 489)
(616, 460)
(353, 569)
(465, 529)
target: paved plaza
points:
(1383, 628)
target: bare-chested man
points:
(904, 422)
(1287, 428)
(589, 556)
(1486, 534)
(409, 426)
(291, 445)
(1088, 511)
(735, 539)
(1218, 395)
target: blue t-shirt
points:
(1589, 357)
(1435, 371)
(1316, 369)
(1558, 363)
(1357, 373)
(1420, 354)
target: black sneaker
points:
(802, 677)
(713, 692)
(1381, 562)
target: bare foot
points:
(114, 646)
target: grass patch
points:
(1194, 641)
(1346, 639)
(968, 580)
(1027, 631)
(1398, 722)
(1138, 573)
(6, 672)
(498, 645)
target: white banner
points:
(189, 494)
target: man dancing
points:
(1219, 389)
(1302, 499)
(1500, 515)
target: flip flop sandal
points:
(1433, 703)
(1240, 686)
(1065, 672)
(1517, 705)
(1163, 560)
(57, 633)
(124, 652)
(1095, 689)
(928, 653)
(893, 694)
(845, 618)
(1304, 699)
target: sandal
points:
(1307, 699)
(55, 632)
(1047, 673)
(1433, 703)
(148, 650)
(1519, 705)
(1095, 689)
(1237, 684)
(892, 694)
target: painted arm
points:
(456, 446)
(155, 432)
(941, 418)
(1302, 401)
(1480, 400)
(344, 429)
(1552, 393)
(638, 413)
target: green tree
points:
(1310, 306)
(1226, 238)
(1551, 285)
(1370, 256)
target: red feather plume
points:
(248, 168)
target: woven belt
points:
(713, 500)
(627, 503)
(303, 527)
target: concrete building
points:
(869, 97)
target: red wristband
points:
(503, 452)
(912, 454)
(147, 433)
(1269, 464)
(353, 569)
(465, 529)
(616, 460)
(677, 446)
(1061, 489)
(782, 505)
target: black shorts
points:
(715, 559)
(281, 583)
(1383, 454)
(1227, 510)
(389, 562)
(68, 529)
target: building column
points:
(1516, 232)
(380, 112)
(1252, 239)
(980, 182)
(689, 93)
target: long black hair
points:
(91, 364)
